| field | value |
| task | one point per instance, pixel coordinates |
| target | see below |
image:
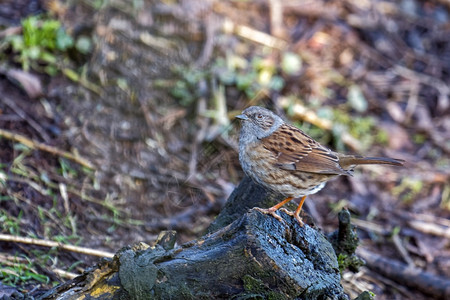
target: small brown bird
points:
(286, 160)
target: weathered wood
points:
(255, 256)
(345, 240)
(245, 254)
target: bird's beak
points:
(242, 117)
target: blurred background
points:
(117, 122)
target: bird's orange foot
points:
(270, 211)
(297, 217)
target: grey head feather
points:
(257, 123)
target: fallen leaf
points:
(29, 82)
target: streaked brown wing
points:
(296, 151)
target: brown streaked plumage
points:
(286, 160)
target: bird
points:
(284, 159)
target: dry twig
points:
(254, 35)
(50, 244)
(43, 147)
(430, 228)
(15, 261)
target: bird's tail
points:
(351, 160)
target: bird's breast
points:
(256, 161)
(261, 165)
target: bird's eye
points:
(259, 116)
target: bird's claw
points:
(268, 211)
(297, 217)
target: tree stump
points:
(254, 256)
(246, 196)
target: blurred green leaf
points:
(356, 99)
(291, 63)
(84, 44)
(276, 83)
(40, 44)
(244, 81)
(227, 77)
(63, 40)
